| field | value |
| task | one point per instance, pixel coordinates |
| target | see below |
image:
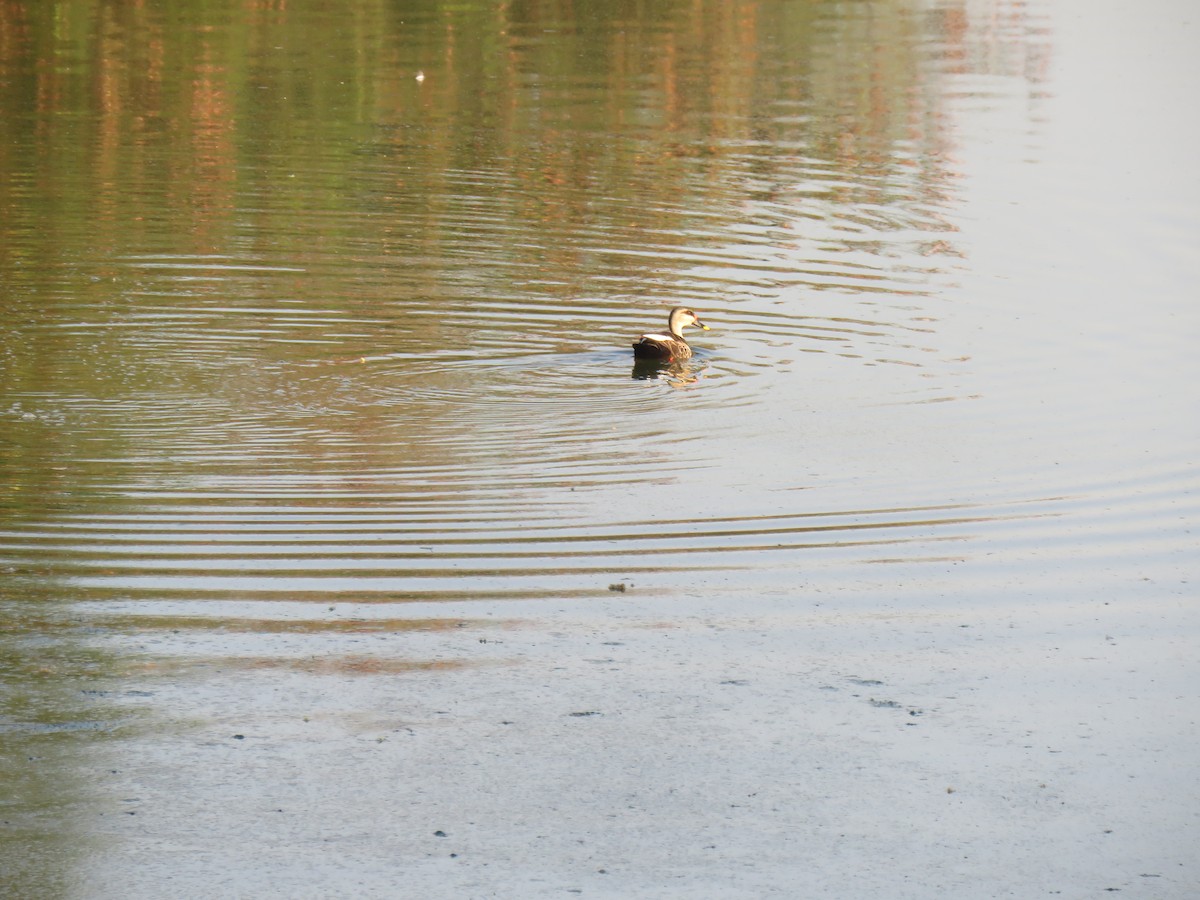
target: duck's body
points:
(671, 346)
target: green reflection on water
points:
(189, 190)
(52, 773)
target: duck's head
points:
(681, 317)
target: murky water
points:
(314, 318)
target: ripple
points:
(340, 554)
(403, 374)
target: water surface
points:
(318, 320)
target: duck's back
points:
(661, 346)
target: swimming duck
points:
(672, 346)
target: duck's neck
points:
(675, 328)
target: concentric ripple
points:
(385, 358)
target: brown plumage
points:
(671, 346)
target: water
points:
(317, 329)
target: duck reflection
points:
(677, 373)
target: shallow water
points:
(296, 339)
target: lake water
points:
(316, 328)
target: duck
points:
(671, 346)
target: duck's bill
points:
(705, 327)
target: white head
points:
(680, 318)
